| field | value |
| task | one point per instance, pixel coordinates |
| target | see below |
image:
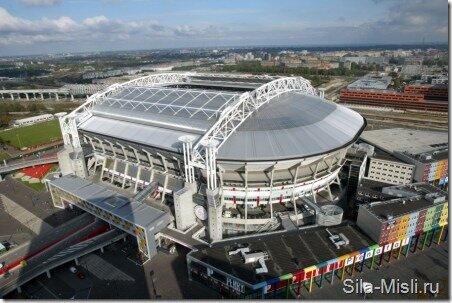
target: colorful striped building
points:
(290, 255)
(398, 219)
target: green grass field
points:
(32, 135)
(35, 186)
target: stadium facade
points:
(235, 153)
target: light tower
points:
(322, 92)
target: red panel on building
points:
(391, 99)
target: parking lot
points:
(63, 284)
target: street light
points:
(368, 288)
(18, 139)
(151, 273)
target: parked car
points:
(81, 275)
(72, 269)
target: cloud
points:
(10, 24)
(413, 19)
(15, 30)
(406, 21)
(40, 2)
(201, 32)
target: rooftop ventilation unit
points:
(425, 156)
(435, 198)
(248, 258)
(338, 240)
(263, 268)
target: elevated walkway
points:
(23, 164)
(185, 239)
(151, 187)
(135, 218)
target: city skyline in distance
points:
(30, 27)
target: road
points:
(41, 261)
(334, 92)
(47, 238)
(19, 164)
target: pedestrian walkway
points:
(28, 219)
(103, 270)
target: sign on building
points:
(369, 254)
(378, 251)
(349, 261)
(235, 285)
(359, 258)
(396, 244)
(405, 241)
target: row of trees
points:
(8, 107)
(317, 76)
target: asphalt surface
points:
(63, 284)
(116, 274)
(171, 278)
(12, 230)
(30, 155)
(38, 203)
(44, 239)
(67, 286)
(27, 218)
(37, 262)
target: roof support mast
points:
(211, 163)
(187, 147)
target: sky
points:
(57, 26)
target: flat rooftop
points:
(405, 139)
(398, 207)
(419, 188)
(382, 155)
(288, 252)
(373, 184)
(371, 82)
(119, 205)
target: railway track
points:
(422, 119)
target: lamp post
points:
(151, 273)
(18, 139)
(368, 288)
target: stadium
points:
(238, 154)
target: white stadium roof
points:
(283, 119)
(293, 126)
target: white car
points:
(2, 264)
(72, 269)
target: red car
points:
(81, 275)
